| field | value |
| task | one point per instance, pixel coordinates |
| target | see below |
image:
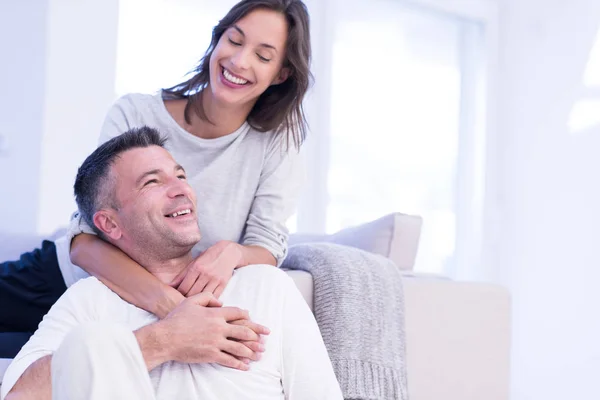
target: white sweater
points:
(246, 183)
(294, 366)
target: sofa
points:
(457, 333)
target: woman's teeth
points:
(233, 79)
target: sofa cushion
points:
(395, 236)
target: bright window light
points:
(585, 113)
(396, 96)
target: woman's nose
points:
(241, 59)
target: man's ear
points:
(283, 75)
(106, 222)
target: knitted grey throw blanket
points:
(359, 306)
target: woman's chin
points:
(229, 100)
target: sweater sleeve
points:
(275, 200)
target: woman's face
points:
(248, 58)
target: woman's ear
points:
(106, 222)
(284, 73)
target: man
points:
(94, 345)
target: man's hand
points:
(211, 271)
(200, 331)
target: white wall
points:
(22, 79)
(550, 196)
(57, 78)
(81, 43)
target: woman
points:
(235, 126)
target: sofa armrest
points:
(458, 339)
(304, 283)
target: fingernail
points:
(261, 347)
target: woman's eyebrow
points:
(267, 45)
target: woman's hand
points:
(210, 272)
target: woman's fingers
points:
(210, 286)
(188, 281)
(178, 279)
(205, 300)
(219, 291)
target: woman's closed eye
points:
(233, 42)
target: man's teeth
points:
(176, 214)
(233, 79)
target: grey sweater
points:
(247, 184)
(359, 306)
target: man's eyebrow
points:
(267, 45)
(145, 174)
(154, 172)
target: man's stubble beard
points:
(159, 243)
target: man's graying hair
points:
(93, 184)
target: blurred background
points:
(482, 116)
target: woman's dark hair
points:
(279, 108)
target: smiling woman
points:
(258, 47)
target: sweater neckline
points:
(213, 141)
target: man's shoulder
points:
(91, 294)
(88, 284)
(263, 273)
(86, 288)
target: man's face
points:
(157, 207)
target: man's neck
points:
(165, 268)
(166, 271)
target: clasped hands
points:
(202, 329)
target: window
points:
(397, 82)
(160, 41)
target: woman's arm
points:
(275, 201)
(123, 276)
(255, 255)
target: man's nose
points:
(178, 187)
